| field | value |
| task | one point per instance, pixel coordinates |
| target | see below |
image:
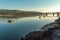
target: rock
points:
(57, 21)
(38, 35)
(56, 35)
(11, 21)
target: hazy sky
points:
(32, 5)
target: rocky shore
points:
(44, 34)
(38, 35)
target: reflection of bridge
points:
(52, 14)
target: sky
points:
(31, 5)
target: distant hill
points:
(3, 11)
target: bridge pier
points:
(53, 14)
(57, 14)
(46, 14)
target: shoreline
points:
(42, 34)
(36, 34)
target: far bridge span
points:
(52, 14)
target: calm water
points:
(21, 26)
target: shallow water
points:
(21, 26)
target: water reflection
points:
(12, 19)
(40, 16)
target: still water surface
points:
(21, 26)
